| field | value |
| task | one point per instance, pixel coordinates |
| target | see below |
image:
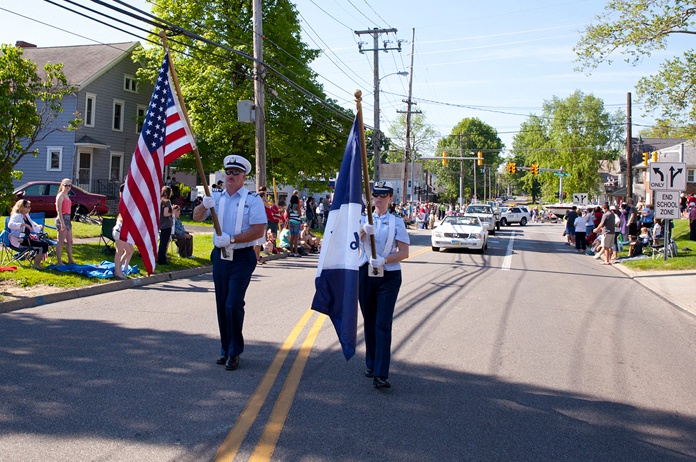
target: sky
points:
(498, 61)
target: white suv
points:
(485, 214)
(514, 214)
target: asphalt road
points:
(529, 352)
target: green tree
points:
(575, 134)
(466, 139)
(668, 129)
(305, 138)
(637, 28)
(29, 106)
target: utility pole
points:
(375, 33)
(407, 148)
(259, 96)
(629, 148)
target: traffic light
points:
(645, 158)
(480, 158)
(444, 160)
(535, 169)
(512, 168)
(654, 156)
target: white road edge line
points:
(508, 253)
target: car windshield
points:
(478, 209)
(463, 221)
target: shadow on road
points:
(148, 387)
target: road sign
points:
(580, 198)
(667, 176)
(562, 174)
(667, 205)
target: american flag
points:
(165, 137)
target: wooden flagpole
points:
(199, 164)
(366, 172)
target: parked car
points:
(42, 195)
(485, 214)
(463, 232)
(514, 215)
(496, 211)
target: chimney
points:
(23, 44)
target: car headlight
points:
(436, 234)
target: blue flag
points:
(337, 276)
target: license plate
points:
(456, 242)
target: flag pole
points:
(199, 164)
(366, 173)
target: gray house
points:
(95, 157)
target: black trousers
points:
(377, 298)
(165, 234)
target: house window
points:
(691, 175)
(141, 112)
(130, 84)
(90, 105)
(54, 160)
(116, 166)
(117, 124)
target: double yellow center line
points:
(269, 438)
(266, 445)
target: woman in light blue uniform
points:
(378, 294)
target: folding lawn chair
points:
(107, 238)
(23, 255)
(40, 219)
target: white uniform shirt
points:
(381, 234)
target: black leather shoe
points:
(381, 382)
(232, 363)
(221, 360)
(369, 373)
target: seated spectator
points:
(309, 241)
(270, 245)
(648, 217)
(183, 239)
(285, 237)
(24, 231)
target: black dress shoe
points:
(369, 373)
(232, 363)
(221, 360)
(381, 382)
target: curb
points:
(32, 302)
(96, 289)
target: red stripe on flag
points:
(164, 131)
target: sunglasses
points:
(233, 171)
(380, 195)
(67, 185)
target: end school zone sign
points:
(667, 205)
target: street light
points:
(375, 134)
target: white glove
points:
(369, 229)
(377, 262)
(222, 240)
(208, 202)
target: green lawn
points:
(90, 253)
(685, 259)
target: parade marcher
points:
(242, 219)
(377, 295)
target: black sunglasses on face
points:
(233, 171)
(380, 195)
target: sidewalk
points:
(675, 287)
